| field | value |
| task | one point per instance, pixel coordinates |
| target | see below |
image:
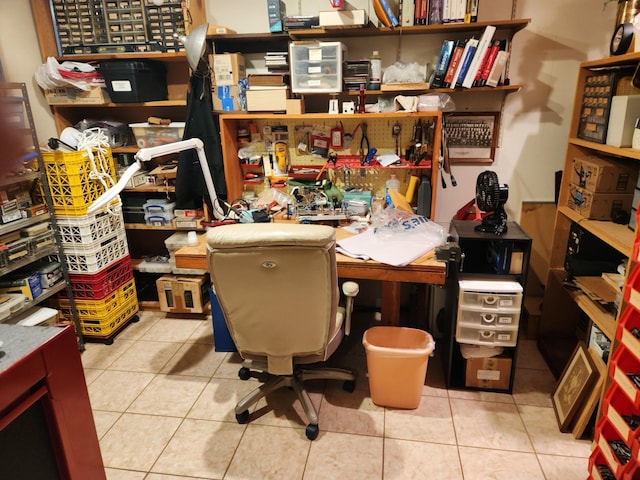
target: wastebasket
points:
(397, 360)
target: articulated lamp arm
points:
(145, 155)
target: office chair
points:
(277, 286)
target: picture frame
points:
(588, 406)
(472, 137)
(573, 387)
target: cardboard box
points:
(624, 111)
(597, 206)
(226, 98)
(493, 372)
(343, 18)
(28, 285)
(598, 174)
(295, 106)
(267, 99)
(66, 96)
(183, 294)
(228, 68)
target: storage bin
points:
(174, 243)
(471, 316)
(70, 182)
(316, 66)
(96, 286)
(159, 206)
(92, 257)
(134, 81)
(111, 322)
(490, 294)
(158, 219)
(153, 135)
(222, 341)
(90, 228)
(99, 309)
(397, 360)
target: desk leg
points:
(391, 303)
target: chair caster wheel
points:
(243, 417)
(349, 386)
(244, 373)
(312, 431)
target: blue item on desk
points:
(222, 341)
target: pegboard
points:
(300, 135)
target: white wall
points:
(535, 122)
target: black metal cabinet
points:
(483, 256)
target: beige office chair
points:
(278, 289)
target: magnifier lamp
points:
(195, 44)
(146, 154)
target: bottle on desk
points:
(392, 184)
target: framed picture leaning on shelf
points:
(573, 386)
(472, 137)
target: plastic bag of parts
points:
(401, 72)
(271, 195)
(394, 223)
(441, 102)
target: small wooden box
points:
(182, 293)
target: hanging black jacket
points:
(203, 124)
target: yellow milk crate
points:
(76, 178)
(105, 327)
(100, 310)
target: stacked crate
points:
(94, 247)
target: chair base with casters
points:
(290, 320)
(295, 382)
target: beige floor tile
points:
(100, 356)
(203, 333)
(343, 455)
(430, 422)
(200, 448)
(170, 395)
(171, 330)
(229, 366)
(136, 330)
(565, 468)
(529, 356)
(346, 412)
(543, 430)
(489, 425)
(533, 387)
(104, 421)
(90, 374)
(117, 474)
(159, 476)
(482, 464)
(269, 453)
(218, 400)
(404, 459)
(194, 359)
(115, 390)
(146, 356)
(136, 441)
(481, 395)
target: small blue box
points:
(222, 340)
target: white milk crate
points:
(85, 229)
(92, 257)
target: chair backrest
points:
(278, 288)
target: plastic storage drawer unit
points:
(491, 336)
(488, 317)
(316, 66)
(490, 294)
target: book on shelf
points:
(446, 10)
(407, 12)
(435, 12)
(498, 69)
(488, 62)
(483, 45)
(465, 61)
(443, 62)
(266, 79)
(389, 18)
(471, 12)
(454, 62)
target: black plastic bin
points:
(135, 81)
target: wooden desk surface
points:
(425, 269)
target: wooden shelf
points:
(606, 149)
(158, 103)
(618, 236)
(151, 189)
(25, 222)
(400, 89)
(143, 226)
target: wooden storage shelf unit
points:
(568, 314)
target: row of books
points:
(435, 12)
(277, 62)
(471, 62)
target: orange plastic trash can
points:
(397, 360)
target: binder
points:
(483, 45)
(443, 62)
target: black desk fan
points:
(490, 198)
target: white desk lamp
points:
(146, 154)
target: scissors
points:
(364, 140)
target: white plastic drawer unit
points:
(491, 335)
(487, 294)
(484, 317)
(316, 66)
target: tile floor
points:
(163, 403)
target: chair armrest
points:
(350, 290)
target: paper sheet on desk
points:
(393, 251)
